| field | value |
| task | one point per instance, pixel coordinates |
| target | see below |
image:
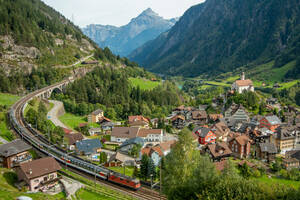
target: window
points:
(36, 180)
(45, 178)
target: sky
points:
(117, 12)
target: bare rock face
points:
(15, 57)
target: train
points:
(50, 149)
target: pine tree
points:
(144, 167)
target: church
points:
(242, 84)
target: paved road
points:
(53, 114)
(79, 61)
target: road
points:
(53, 113)
(77, 62)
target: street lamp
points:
(151, 175)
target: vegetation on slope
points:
(110, 89)
(219, 36)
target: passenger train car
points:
(43, 145)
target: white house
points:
(243, 84)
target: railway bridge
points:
(46, 94)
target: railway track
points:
(36, 140)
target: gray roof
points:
(136, 140)
(13, 148)
(203, 131)
(273, 119)
(88, 146)
(97, 112)
(268, 147)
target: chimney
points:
(30, 171)
(243, 76)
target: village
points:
(265, 143)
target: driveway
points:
(53, 113)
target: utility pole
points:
(160, 180)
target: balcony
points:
(18, 160)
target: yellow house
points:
(95, 116)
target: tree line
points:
(109, 89)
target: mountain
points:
(123, 40)
(220, 36)
(33, 34)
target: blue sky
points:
(117, 12)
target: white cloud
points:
(117, 12)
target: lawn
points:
(128, 170)
(274, 180)
(144, 83)
(8, 99)
(72, 121)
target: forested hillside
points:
(220, 36)
(33, 34)
(110, 89)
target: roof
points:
(203, 131)
(146, 151)
(73, 138)
(215, 116)
(165, 146)
(138, 123)
(67, 131)
(136, 140)
(180, 108)
(40, 167)
(157, 149)
(121, 157)
(137, 118)
(290, 160)
(88, 146)
(178, 117)
(95, 129)
(125, 132)
(268, 147)
(242, 139)
(97, 112)
(13, 148)
(199, 114)
(104, 119)
(219, 149)
(273, 120)
(144, 132)
(246, 82)
(220, 129)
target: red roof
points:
(67, 131)
(247, 82)
(82, 124)
(137, 118)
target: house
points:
(121, 134)
(285, 140)
(14, 153)
(39, 175)
(221, 130)
(290, 163)
(119, 159)
(218, 151)
(88, 147)
(200, 116)
(262, 135)
(215, 117)
(242, 85)
(158, 151)
(240, 145)
(72, 139)
(270, 122)
(272, 101)
(138, 121)
(151, 135)
(107, 126)
(94, 131)
(236, 113)
(67, 131)
(155, 122)
(266, 151)
(179, 109)
(178, 121)
(206, 136)
(127, 146)
(95, 116)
